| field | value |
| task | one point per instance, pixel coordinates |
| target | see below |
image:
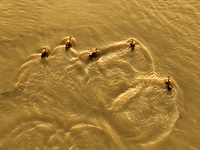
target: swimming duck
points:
(169, 83)
(45, 52)
(93, 53)
(132, 44)
(68, 43)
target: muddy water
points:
(117, 100)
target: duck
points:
(93, 53)
(68, 43)
(45, 52)
(132, 44)
(169, 83)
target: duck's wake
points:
(109, 91)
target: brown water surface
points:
(117, 100)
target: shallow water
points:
(116, 101)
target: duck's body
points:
(169, 84)
(45, 53)
(132, 44)
(68, 43)
(93, 53)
